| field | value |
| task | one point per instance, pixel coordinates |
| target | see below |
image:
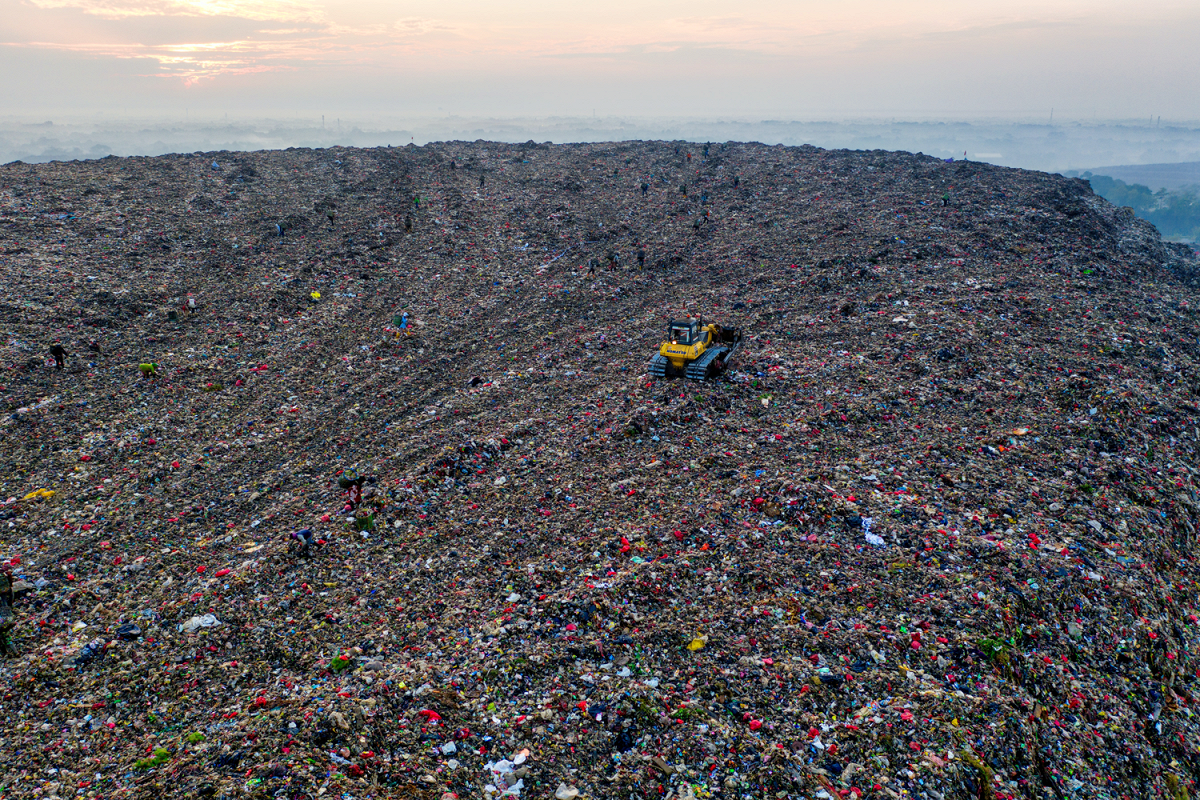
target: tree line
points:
(1176, 213)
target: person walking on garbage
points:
(8, 619)
(60, 355)
(352, 483)
(404, 325)
(148, 369)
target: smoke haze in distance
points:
(1030, 145)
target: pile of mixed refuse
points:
(340, 473)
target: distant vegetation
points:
(1176, 214)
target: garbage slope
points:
(932, 535)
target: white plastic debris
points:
(196, 623)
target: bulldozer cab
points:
(683, 332)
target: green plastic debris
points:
(160, 756)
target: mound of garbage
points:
(341, 473)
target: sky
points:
(795, 59)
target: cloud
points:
(197, 61)
(281, 10)
(659, 51)
(200, 40)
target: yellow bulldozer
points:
(695, 350)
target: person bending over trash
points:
(305, 538)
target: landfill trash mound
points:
(347, 478)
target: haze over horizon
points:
(1039, 146)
